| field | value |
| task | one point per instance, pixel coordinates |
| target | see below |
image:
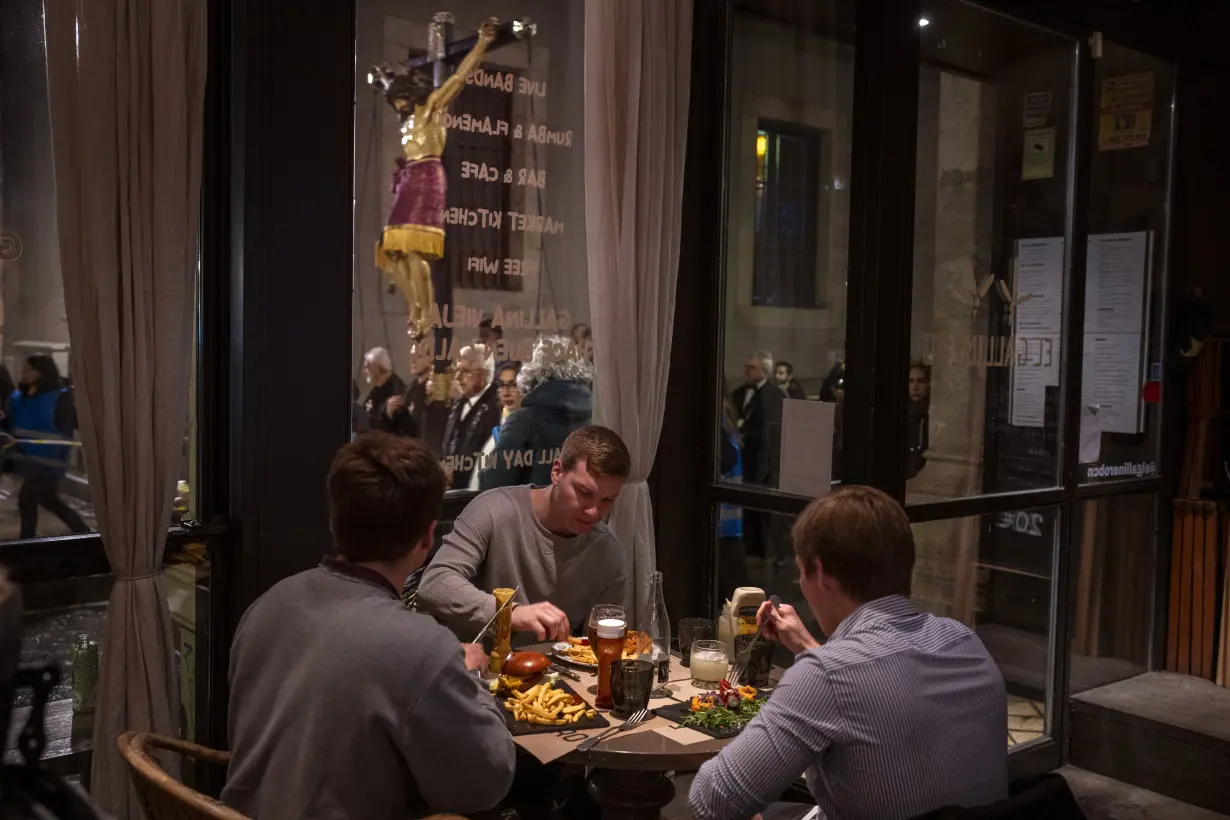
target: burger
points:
(522, 670)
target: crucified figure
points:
(414, 232)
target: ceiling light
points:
(923, 22)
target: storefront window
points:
(1129, 199)
(471, 294)
(990, 264)
(44, 486)
(1114, 581)
(995, 574)
(787, 217)
(46, 481)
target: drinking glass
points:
(596, 614)
(709, 662)
(631, 685)
(609, 646)
(691, 630)
(758, 663)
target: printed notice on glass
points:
(1037, 327)
(1125, 112)
(1116, 312)
(1038, 159)
(807, 447)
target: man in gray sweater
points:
(549, 543)
(343, 704)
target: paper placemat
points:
(682, 734)
(552, 746)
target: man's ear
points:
(557, 471)
(429, 538)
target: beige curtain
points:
(637, 70)
(126, 82)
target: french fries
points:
(547, 706)
(579, 652)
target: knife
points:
(567, 673)
(483, 631)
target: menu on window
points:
(1037, 327)
(1116, 317)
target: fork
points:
(740, 664)
(631, 723)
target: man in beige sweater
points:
(549, 542)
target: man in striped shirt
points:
(899, 713)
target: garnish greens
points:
(721, 718)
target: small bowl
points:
(562, 646)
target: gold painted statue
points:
(414, 232)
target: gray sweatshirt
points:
(497, 541)
(345, 705)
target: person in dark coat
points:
(378, 370)
(40, 413)
(558, 399)
(359, 422)
(833, 390)
(758, 408)
(473, 415)
(918, 435)
(783, 374)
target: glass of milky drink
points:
(709, 663)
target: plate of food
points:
(578, 652)
(536, 700)
(721, 713)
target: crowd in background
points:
(498, 423)
(750, 452)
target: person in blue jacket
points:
(40, 412)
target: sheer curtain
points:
(638, 56)
(126, 82)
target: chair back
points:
(162, 796)
(1046, 796)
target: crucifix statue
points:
(413, 234)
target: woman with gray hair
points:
(558, 399)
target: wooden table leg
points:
(631, 795)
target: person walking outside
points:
(40, 414)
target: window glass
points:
(471, 292)
(995, 573)
(44, 486)
(45, 480)
(990, 265)
(787, 220)
(1112, 631)
(1129, 196)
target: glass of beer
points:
(599, 612)
(609, 648)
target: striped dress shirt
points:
(898, 714)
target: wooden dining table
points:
(631, 771)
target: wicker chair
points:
(162, 796)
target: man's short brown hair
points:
(862, 538)
(602, 450)
(384, 492)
